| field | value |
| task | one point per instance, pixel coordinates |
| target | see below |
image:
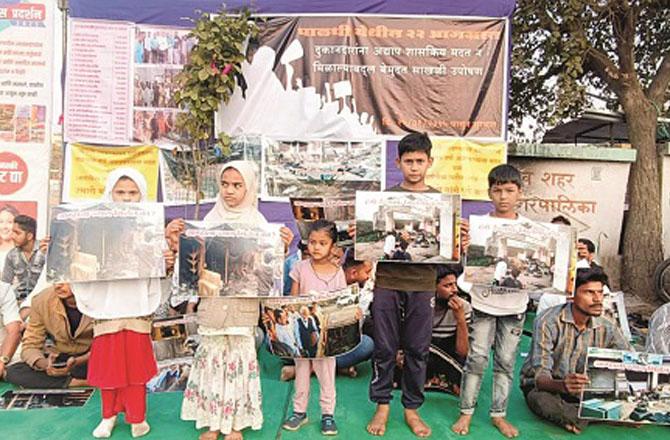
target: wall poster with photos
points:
(231, 259)
(319, 325)
(106, 241)
(339, 210)
(512, 255)
(407, 227)
(174, 341)
(626, 387)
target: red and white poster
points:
(26, 63)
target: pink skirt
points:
(121, 359)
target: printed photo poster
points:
(315, 326)
(626, 387)
(106, 241)
(9, 209)
(43, 399)
(407, 227)
(461, 166)
(346, 77)
(159, 54)
(508, 256)
(174, 341)
(341, 211)
(176, 166)
(87, 167)
(231, 259)
(321, 168)
(27, 36)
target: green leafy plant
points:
(207, 80)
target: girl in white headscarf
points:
(224, 391)
(121, 360)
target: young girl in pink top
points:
(317, 274)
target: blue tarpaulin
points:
(174, 12)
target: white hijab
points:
(127, 172)
(247, 210)
(119, 298)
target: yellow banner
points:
(89, 167)
(461, 166)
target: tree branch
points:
(623, 25)
(656, 90)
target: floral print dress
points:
(224, 387)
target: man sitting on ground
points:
(356, 272)
(54, 312)
(552, 378)
(24, 263)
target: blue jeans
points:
(502, 333)
(361, 353)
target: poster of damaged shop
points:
(174, 341)
(106, 241)
(231, 259)
(407, 227)
(339, 210)
(508, 256)
(315, 326)
(626, 387)
(320, 168)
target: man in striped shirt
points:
(554, 374)
(449, 341)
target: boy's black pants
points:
(401, 320)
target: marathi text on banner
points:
(98, 83)
(461, 166)
(87, 167)
(26, 66)
(345, 77)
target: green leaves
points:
(220, 41)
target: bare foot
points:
(416, 424)
(377, 425)
(351, 372)
(573, 429)
(234, 435)
(462, 425)
(209, 435)
(74, 383)
(505, 427)
(287, 373)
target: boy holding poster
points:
(497, 321)
(407, 288)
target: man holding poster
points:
(553, 376)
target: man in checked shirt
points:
(553, 376)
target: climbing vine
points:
(207, 80)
